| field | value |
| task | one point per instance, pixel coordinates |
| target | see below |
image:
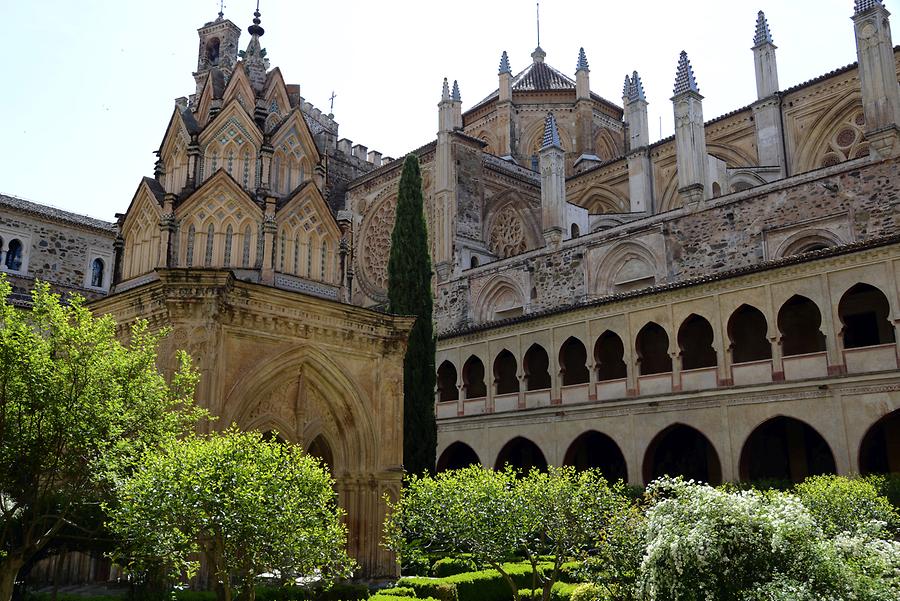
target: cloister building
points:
(721, 304)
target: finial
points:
(684, 77)
(504, 64)
(636, 89)
(445, 92)
(626, 88)
(866, 5)
(539, 23)
(551, 133)
(582, 61)
(454, 95)
(763, 35)
(255, 29)
(221, 9)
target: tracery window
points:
(848, 142)
(507, 235)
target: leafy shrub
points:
(561, 591)
(70, 597)
(588, 592)
(571, 572)
(383, 597)
(848, 505)
(450, 566)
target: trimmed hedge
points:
(383, 597)
(429, 587)
(451, 566)
(561, 591)
(397, 591)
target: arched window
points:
(229, 235)
(446, 382)
(321, 450)
(695, 338)
(210, 236)
(864, 311)
(537, 364)
(14, 255)
(652, 345)
(473, 262)
(573, 362)
(473, 378)
(245, 260)
(324, 259)
(189, 258)
(505, 379)
(799, 320)
(97, 267)
(281, 258)
(575, 231)
(609, 352)
(212, 52)
(747, 329)
(309, 257)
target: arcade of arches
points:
(338, 393)
(732, 380)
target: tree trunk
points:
(9, 569)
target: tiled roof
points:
(538, 77)
(59, 215)
(864, 5)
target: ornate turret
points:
(456, 102)
(878, 77)
(218, 49)
(553, 183)
(638, 140)
(690, 135)
(254, 56)
(767, 110)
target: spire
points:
(636, 88)
(684, 77)
(626, 88)
(445, 92)
(763, 35)
(866, 5)
(582, 61)
(255, 29)
(455, 94)
(504, 64)
(551, 133)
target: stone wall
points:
(851, 202)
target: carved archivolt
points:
(375, 247)
(497, 297)
(507, 234)
(629, 266)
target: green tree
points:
(246, 504)
(77, 407)
(409, 293)
(492, 515)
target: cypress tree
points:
(409, 293)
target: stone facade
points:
(72, 252)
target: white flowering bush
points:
(707, 544)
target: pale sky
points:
(89, 85)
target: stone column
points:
(267, 274)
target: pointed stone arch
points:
(316, 387)
(140, 231)
(627, 266)
(501, 297)
(510, 226)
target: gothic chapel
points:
(234, 247)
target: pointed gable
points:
(295, 125)
(239, 89)
(232, 140)
(308, 237)
(213, 90)
(219, 192)
(140, 230)
(275, 93)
